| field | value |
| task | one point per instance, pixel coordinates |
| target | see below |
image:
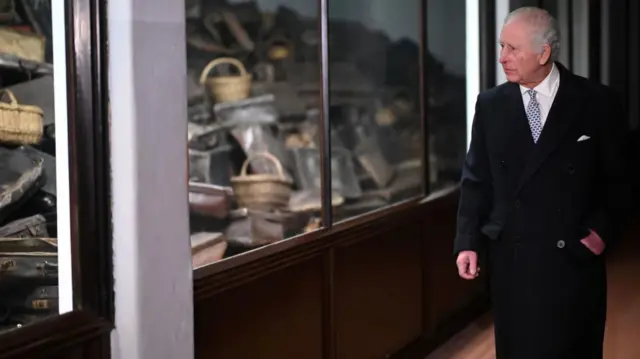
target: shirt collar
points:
(547, 85)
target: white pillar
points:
(502, 10)
(152, 259)
(472, 26)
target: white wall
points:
(152, 259)
(502, 10)
(472, 27)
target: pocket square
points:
(583, 138)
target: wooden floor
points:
(622, 339)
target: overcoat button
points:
(560, 244)
(518, 204)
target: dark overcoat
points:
(529, 204)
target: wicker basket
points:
(19, 124)
(262, 191)
(279, 48)
(227, 88)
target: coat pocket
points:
(577, 248)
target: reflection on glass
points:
(253, 109)
(28, 202)
(446, 84)
(376, 131)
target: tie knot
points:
(532, 93)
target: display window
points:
(303, 117)
(375, 111)
(452, 81)
(254, 123)
(35, 270)
(54, 210)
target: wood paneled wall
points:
(277, 316)
(366, 292)
(378, 294)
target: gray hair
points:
(545, 27)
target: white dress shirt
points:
(546, 93)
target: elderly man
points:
(544, 185)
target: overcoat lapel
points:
(562, 115)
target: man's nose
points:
(502, 59)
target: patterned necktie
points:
(533, 115)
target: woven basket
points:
(262, 191)
(279, 48)
(227, 88)
(19, 124)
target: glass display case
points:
(53, 161)
(449, 107)
(253, 125)
(298, 122)
(34, 227)
(374, 112)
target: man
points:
(543, 187)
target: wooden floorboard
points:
(622, 338)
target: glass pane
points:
(446, 83)
(34, 171)
(253, 116)
(376, 128)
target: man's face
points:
(520, 60)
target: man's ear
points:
(545, 57)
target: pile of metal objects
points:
(254, 105)
(28, 233)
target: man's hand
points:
(467, 263)
(594, 243)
